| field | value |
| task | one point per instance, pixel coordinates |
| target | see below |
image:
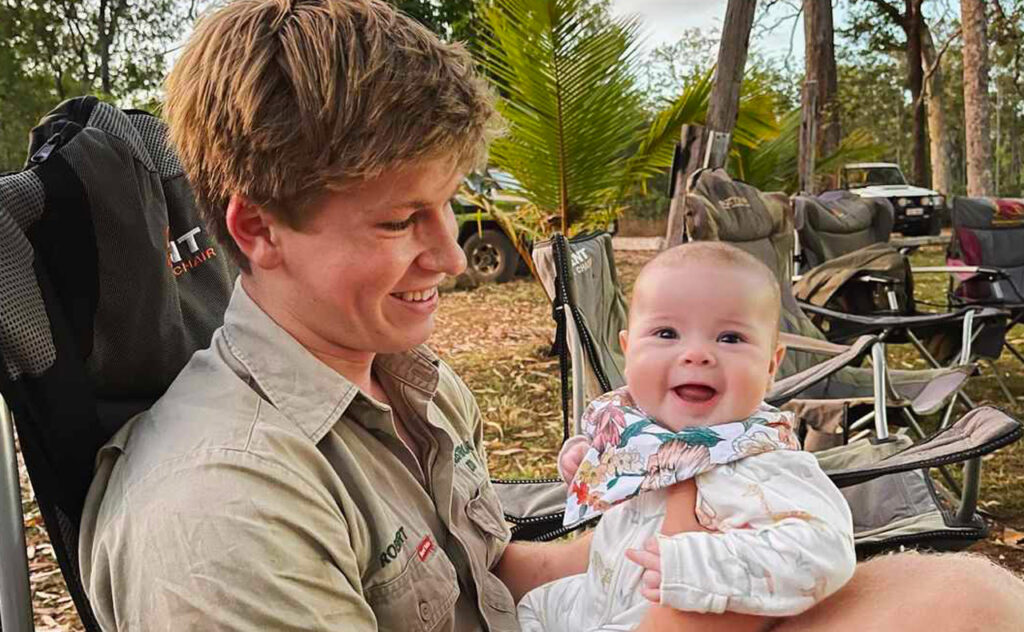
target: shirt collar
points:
(297, 383)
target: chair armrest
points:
(977, 433)
(806, 343)
(879, 323)
(787, 388)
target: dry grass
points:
(498, 337)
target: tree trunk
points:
(723, 108)
(915, 76)
(976, 108)
(732, 58)
(941, 144)
(820, 61)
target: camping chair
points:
(837, 223)
(850, 268)
(108, 284)
(986, 259)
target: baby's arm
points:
(680, 517)
(571, 455)
(784, 540)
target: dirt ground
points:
(498, 338)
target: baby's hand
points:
(650, 559)
(571, 456)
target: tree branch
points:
(891, 11)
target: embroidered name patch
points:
(392, 550)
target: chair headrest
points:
(721, 208)
(988, 213)
(842, 212)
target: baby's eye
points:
(666, 333)
(730, 337)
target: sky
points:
(665, 20)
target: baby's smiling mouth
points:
(695, 393)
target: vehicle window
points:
(873, 176)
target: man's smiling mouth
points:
(419, 296)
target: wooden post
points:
(808, 127)
(699, 148)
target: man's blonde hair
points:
(281, 100)
(722, 254)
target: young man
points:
(317, 467)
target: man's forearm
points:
(665, 619)
(526, 565)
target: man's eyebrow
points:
(418, 204)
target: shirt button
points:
(424, 611)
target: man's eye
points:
(398, 226)
(730, 337)
(666, 333)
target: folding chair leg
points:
(921, 349)
(969, 497)
(15, 596)
(1001, 382)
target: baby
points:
(725, 514)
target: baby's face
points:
(701, 346)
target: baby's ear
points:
(623, 340)
(776, 360)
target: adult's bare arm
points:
(526, 565)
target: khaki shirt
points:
(264, 491)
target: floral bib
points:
(630, 453)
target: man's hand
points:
(650, 558)
(571, 456)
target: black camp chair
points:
(108, 284)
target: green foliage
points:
(454, 20)
(581, 139)
(52, 50)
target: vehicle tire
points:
(490, 256)
(935, 223)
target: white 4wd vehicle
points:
(917, 209)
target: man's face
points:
(700, 349)
(362, 273)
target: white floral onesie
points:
(781, 541)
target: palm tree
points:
(579, 140)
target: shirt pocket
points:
(419, 598)
(484, 511)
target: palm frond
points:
(570, 99)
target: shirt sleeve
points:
(263, 550)
(782, 540)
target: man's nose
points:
(443, 253)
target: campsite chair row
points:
(579, 275)
(847, 239)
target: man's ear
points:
(254, 230)
(776, 360)
(623, 340)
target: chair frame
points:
(15, 587)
